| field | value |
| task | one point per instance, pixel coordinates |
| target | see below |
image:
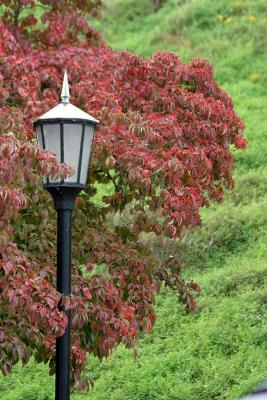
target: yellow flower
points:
(252, 18)
(229, 20)
(255, 77)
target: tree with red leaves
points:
(162, 149)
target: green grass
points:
(221, 351)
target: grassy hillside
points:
(221, 351)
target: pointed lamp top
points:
(65, 110)
(65, 93)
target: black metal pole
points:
(64, 199)
(64, 287)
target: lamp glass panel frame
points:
(71, 142)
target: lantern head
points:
(67, 132)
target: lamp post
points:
(67, 132)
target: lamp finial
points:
(65, 94)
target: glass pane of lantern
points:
(52, 142)
(72, 145)
(39, 137)
(88, 138)
(52, 139)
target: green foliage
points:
(226, 231)
(31, 382)
(218, 354)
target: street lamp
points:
(67, 132)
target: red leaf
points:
(87, 294)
